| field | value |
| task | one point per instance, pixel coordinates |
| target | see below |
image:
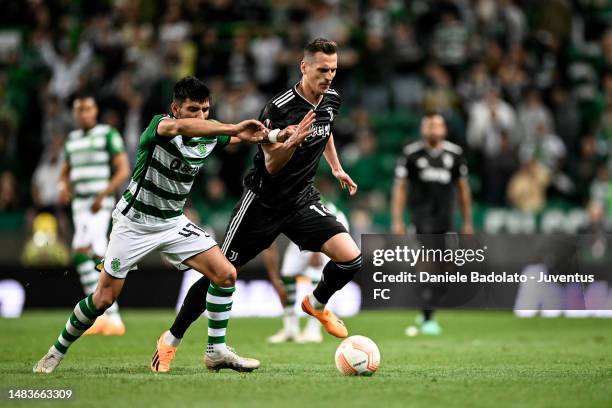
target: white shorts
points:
(296, 263)
(91, 230)
(130, 242)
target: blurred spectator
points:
(212, 59)
(566, 116)
(532, 114)
(545, 148)
(265, 49)
(291, 53)
(475, 85)
(407, 59)
(45, 193)
(439, 94)
(376, 92)
(583, 169)
(174, 28)
(8, 133)
(513, 77)
(450, 42)
(57, 121)
(601, 189)
(240, 63)
(527, 188)
(487, 119)
(325, 22)
(502, 20)
(9, 196)
(498, 171)
(65, 66)
(377, 17)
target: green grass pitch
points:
(483, 359)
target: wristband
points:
(273, 135)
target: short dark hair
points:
(84, 95)
(431, 113)
(321, 45)
(190, 88)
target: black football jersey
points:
(432, 179)
(293, 183)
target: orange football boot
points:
(328, 319)
(164, 354)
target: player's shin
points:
(193, 307)
(219, 306)
(335, 276)
(290, 318)
(82, 318)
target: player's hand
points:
(468, 228)
(97, 204)
(315, 260)
(280, 291)
(301, 132)
(251, 130)
(398, 228)
(345, 181)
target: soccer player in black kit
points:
(427, 175)
(279, 196)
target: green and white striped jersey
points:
(89, 155)
(164, 173)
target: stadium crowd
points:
(525, 87)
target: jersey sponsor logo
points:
(448, 161)
(422, 163)
(184, 168)
(320, 131)
(435, 175)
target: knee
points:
(353, 265)
(226, 278)
(103, 298)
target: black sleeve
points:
(271, 117)
(460, 168)
(401, 168)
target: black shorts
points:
(253, 227)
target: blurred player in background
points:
(298, 264)
(95, 167)
(427, 175)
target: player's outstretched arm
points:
(249, 130)
(338, 172)
(278, 154)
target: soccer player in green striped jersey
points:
(95, 166)
(150, 216)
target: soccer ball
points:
(357, 355)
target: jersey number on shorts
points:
(186, 232)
